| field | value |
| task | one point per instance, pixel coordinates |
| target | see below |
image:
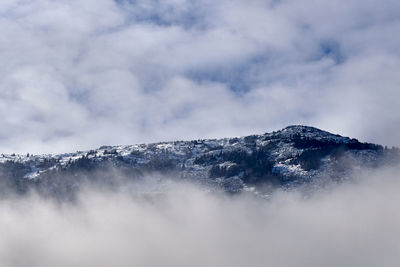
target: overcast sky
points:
(79, 74)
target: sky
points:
(76, 75)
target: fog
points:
(356, 223)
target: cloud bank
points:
(80, 74)
(353, 224)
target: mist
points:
(356, 223)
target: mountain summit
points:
(294, 156)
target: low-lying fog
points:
(354, 224)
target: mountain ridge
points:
(288, 158)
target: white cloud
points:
(76, 75)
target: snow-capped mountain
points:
(294, 156)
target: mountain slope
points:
(291, 157)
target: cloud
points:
(79, 75)
(351, 224)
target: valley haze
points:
(351, 224)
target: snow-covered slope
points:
(294, 156)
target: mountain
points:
(292, 157)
